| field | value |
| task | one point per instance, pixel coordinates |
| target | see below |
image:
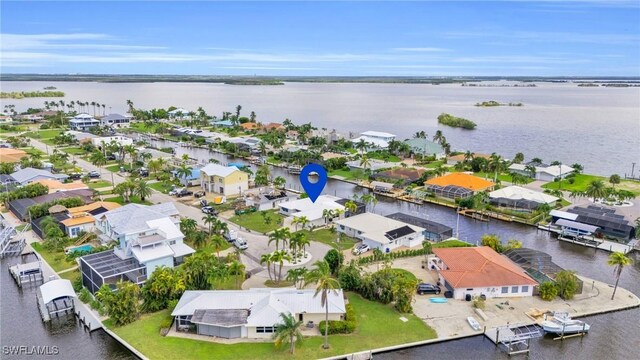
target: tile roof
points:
(11, 155)
(480, 267)
(462, 180)
(78, 220)
(94, 206)
(424, 146)
(55, 185)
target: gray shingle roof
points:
(134, 217)
(26, 174)
(220, 317)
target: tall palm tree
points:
(266, 260)
(596, 190)
(361, 146)
(209, 220)
(98, 159)
(619, 261)
(143, 190)
(217, 242)
(496, 164)
(183, 172)
(325, 285)
(237, 268)
(437, 137)
(188, 225)
(365, 163)
(288, 331)
(279, 257)
(304, 221)
(279, 235)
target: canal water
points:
(613, 335)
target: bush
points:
(548, 291)
(567, 284)
(77, 284)
(85, 296)
(478, 303)
(346, 326)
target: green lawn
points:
(44, 134)
(71, 275)
(32, 150)
(254, 221)
(56, 259)
(228, 284)
(377, 326)
(99, 184)
(434, 164)
(348, 174)
(273, 160)
(134, 199)
(382, 156)
(581, 181)
(160, 186)
(504, 177)
(450, 244)
(327, 237)
(74, 151)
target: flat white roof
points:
(372, 140)
(322, 202)
(56, 289)
(181, 249)
(380, 134)
(145, 254)
(520, 193)
(374, 226)
(563, 214)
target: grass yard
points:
(450, 244)
(255, 221)
(504, 177)
(383, 156)
(581, 182)
(134, 200)
(99, 184)
(229, 284)
(71, 275)
(348, 174)
(32, 151)
(434, 164)
(57, 259)
(74, 151)
(44, 134)
(161, 187)
(378, 326)
(208, 248)
(325, 236)
(273, 160)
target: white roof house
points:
(546, 173)
(28, 175)
(381, 232)
(118, 139)
(517, 193)
(313, 211)
(377, 139)
(218, 170)
(252, 313)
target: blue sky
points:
(549, 38)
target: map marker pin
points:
(313, 189)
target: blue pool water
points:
(86, 247)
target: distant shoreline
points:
(279, 80)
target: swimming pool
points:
(85, 247)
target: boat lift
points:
(515, 339)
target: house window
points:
(525, 289)
(172, 242)
(505, 289)
(265, 329)
(514, 289)
(75, 231)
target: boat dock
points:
(28, 273)
(592, 242)
(514, 339)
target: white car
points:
(240, 243)
(360, 249)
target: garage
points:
(220, 323)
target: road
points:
(258, 243)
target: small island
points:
(30, 94)
(453, 121)
(495, 103)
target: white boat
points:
(475, 325)
(561, 323)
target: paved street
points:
(258, 243)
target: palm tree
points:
(495, 163)
(437, 137)
(237, 268)
(279, 182)
(188, 225)
(596, 190)
(325, 285)
(351, 206)
(361, 146)
(217, 242)
(279, 235)
(183, 172)
(279, 257)
(98, 159)
(266, 259)
(209, 220)
(303, 220)
(619, 261)
(296, 276)
(143, 190)
(288, 331)
(199, 240)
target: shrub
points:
(567, 284)
(346, 326)
(77, 284)
(478, 303)
(548, 291)
(85, 296)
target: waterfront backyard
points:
(378, 325)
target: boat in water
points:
(561, 323)
(475, 325)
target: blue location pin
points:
(313, 189)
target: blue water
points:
(86, 247)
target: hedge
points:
(392, 255)
(346, 326)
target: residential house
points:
(454, 159)
(224, 180)
(57, 186)
(179, 113)
(115, 121)
(381, 232)
(595, 220)
(273, 126)
(313, 211)
(252, 313)
(5, 119)
(331, 136)
(246, 143)
(425, 148)
(433, 231)
(82, 218)
(28, 175)
(223, 123)
(83, 122)
(375, 139)
(266, 198)
(543, 172)
(81, 137)
(147, 237)
(10, 155)
(457, 185)
(468, 272)
(20, 207)
(106, 140)
(517, 198)
(250, 126)
(190, 180)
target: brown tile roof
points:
(77, 220)
(55, 185)
(461, 179)
(10, 155)
(480, 267)
(271, 126)
(90, 207)
(249, 126)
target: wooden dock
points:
(29, 273)
(513, 339)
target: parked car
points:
(241, 244)
(209, 210)
(75, 176)
(425, 288)
(111, 157)
(184, 192)
(360, 249)
(94, 174)
(199, 194)
(143, 172)
(230, 235)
